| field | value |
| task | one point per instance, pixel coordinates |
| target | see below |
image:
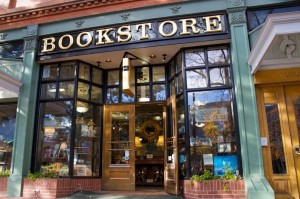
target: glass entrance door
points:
(118, 148)
(279, 112)
(171, 148)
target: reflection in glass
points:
(120, 138)
(86, 150)
(142, 75)
(50, 71)
(66, 89)
(181, 137)
(83, 90)
(13, 50)
(54, 135)
(211, 126)
(170, 135)
(113, 77)
(219, 77)
(96, 94)
(97, 76)
(67, 70)
(172, 69)
(275, 136)
(48, 91)
(196, 78)
(159, 92)
(179, 84)
(158, 74)
(218, 56)
(84, 71)
(172, 87)
(112, 95)
(296, 104)
(7, 128)
(143, 93)
(194, 57)
(178, 63)
(126, 98)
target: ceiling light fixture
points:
(152, 56)
(164, 57)
(108, 60)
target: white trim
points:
(10, 83)
(275, 24)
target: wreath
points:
(150, 130)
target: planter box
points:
(58, 187)
(214, 189)
(3, 187)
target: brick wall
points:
(214, 189)
(53, 188)
(3, 187)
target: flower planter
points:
(210, 189)
(58, 187)
(3, 187)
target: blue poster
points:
(223, 162)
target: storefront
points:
(149, 101)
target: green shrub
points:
(5, 173)
(48, 171)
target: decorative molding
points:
(3, 36)
(30, 44)
(125, 16)
(79, 23)
(175, 9)
(287, 46)
(237, 17)
(275, 25)
(235, 3)
(32, 30)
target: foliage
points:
(48, 171)
(5, 173)
(207, 175)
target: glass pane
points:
(143, 93)
(83, 90)
(172, 68)
(159, 92)
(112, 95)
(142, 75)
(127, 98)
(50, 71)
(97, 76)
(196, 78)
(66, 89)
(219, 77)
(179, 83)
(275, 136)
(169, 135)
(211, 133)
(13, 50)
(120, 138)
(7, 128)
(181, 136)
(159, 74)
(55, 126)
(67, 70)
(194, 57)
(172, 87)
(113, 77)
(96, 94)
(84, 71)
(218, 56)
(48, 91)
(87, 147)
(296, 104)
(178, 63)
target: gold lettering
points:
(144, 34)
(60, 42)
(48, 42)
(192, 25)
(161, 29)
(88, 42)
(213, 21)
(104, 34)
(124, 33)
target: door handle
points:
(297, 149)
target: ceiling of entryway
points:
(142, 53)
